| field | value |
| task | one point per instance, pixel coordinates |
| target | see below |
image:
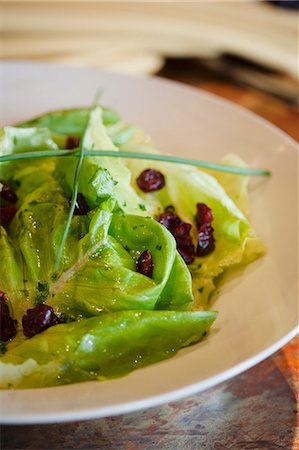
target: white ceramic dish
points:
(258, 310)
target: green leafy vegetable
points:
(236, 241)
(84, 266)
(102, 347)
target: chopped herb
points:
(159, 247)
(41, 286)
(200, 290)
(64, 318)
(142, 206)
(3, 348)
(43, 289)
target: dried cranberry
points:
(145, 264)
(8, 326)
(72, 142)
(150, 180)
(81, 206)
(184, 242)
(187, 253)
(6, 214)
(38, 319)
(206, 241)
(203, 214)
(7, 193)
(169, 218)
(181, 232)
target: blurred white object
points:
(136, 37)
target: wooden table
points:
(255, 410)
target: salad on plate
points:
(110, 251)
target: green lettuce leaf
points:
(117, 319)
(102, 178)
(236, 241)
(98, 272)
(18, 140)
(98, 348)
(103, 277)
(69, 122)
(11, 275)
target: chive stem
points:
(136, 155)
(71, 210)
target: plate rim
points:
(161, 80)
(148, 402)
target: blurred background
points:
(246, 51)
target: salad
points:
(110, 252)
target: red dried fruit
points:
(7, 193)
(6, 214)
(8, 326)
(187, 253)
(169, 219)
(181, 232)
(150, 180)
(38, 319)
(72, 142)
(145, 264)
(203, 214)
(206, 241)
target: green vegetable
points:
(236, 241)
(71, 122)
(101, 178)
(84, 266)
(101, 347)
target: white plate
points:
(258, 310)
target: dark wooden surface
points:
(255, 410)
(282, 114)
